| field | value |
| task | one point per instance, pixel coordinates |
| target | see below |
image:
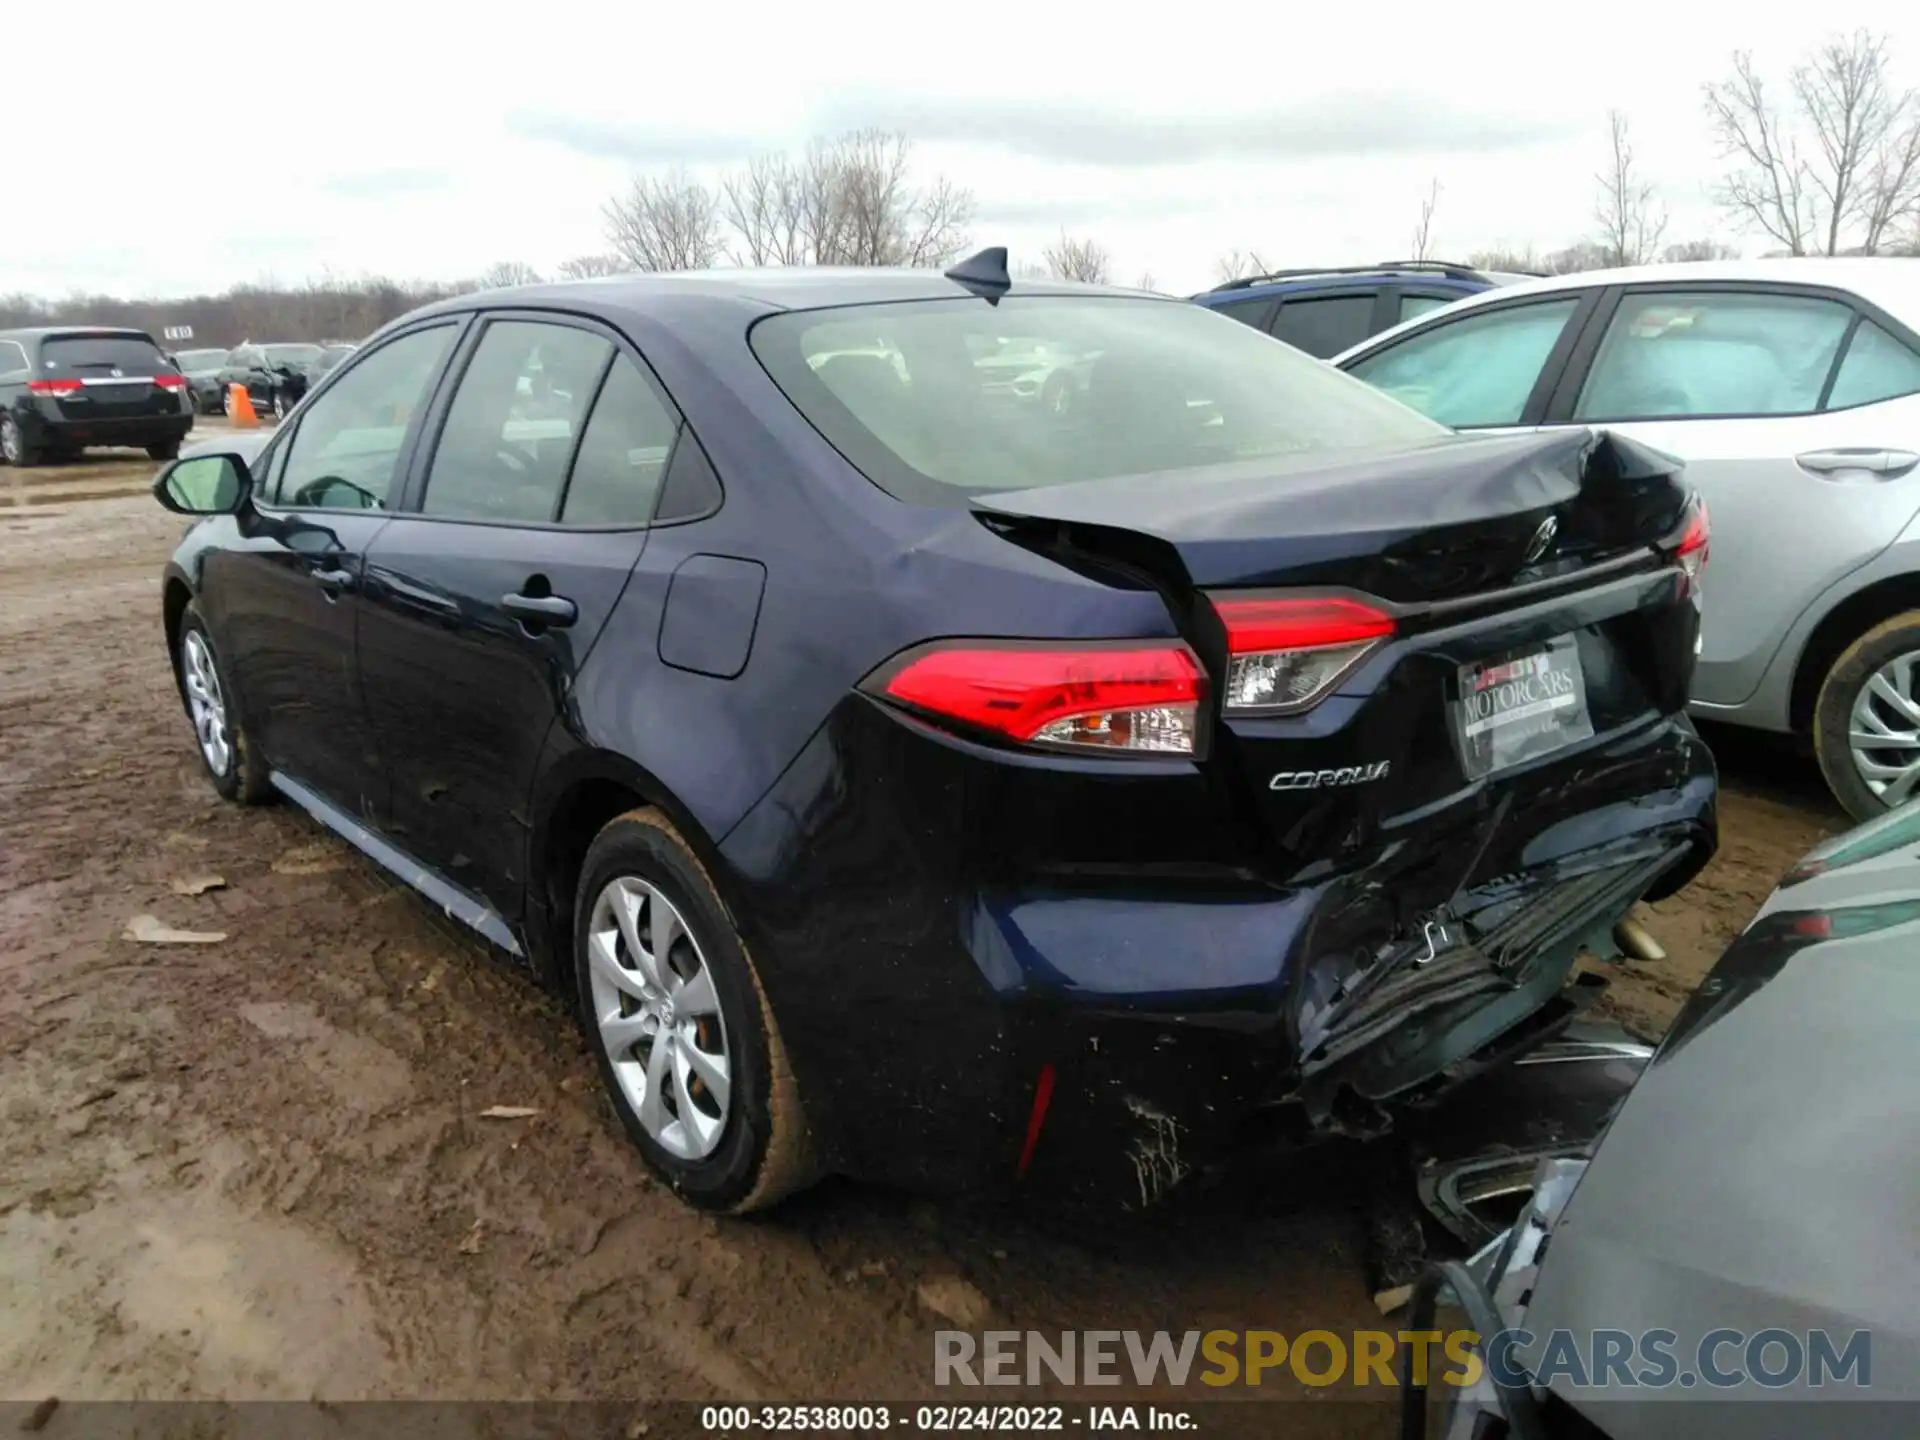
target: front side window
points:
(1325, 326)
(1688, 356)
(1876, 367)
(348, 445)
(510, 431)
(1117, 386)
(1477, 370)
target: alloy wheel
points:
(658, 1015)
(205, 701)
(10, 440)
(1884, 735)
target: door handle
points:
(554, 610)
(1899, 462)
(1844, 457)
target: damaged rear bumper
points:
(1145, 1087)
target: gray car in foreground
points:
(1791, 389)
(1739, 1258)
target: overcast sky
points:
(430, 141)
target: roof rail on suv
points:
(1439, 267)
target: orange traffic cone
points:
(240, 406)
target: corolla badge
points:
(1322, 779)
(1542, 540)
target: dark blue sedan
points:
(912, 775)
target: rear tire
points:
(14, 449)
(165, 450)
(741, 1151)
(233, 762)
(1851, 703)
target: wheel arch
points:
(1846, 622)
(176, 594)
(574, 799)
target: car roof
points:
(1890, 281)
(62, 332)
(1448, 276)
(774, 288)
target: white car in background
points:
(1792, 390)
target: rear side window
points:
(1414, 305)
(344, 454)
(1876, 367)
(13, 358)
(510, 431)
(1248, 312)
(623, 455)
(1477, 370)
(1688, 356)
(916, 396)
(100, 354)
(1324, 327)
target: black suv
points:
(1325, 312)
(65, 388)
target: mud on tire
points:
(763, 1152)
(243, 778)
(1846, 679)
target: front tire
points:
(232, 760)
(680, 1028)
(1866, 721)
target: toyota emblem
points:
(1542, 540)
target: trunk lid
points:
(1434, 522)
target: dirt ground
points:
(259, 1168)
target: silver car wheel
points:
(1884, 733)
(10, 446)
(658, 1015)
(205, 701)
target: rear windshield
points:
(130, 354)
(941, 395)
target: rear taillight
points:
(1285, 652)
(1141, 697)
(66, 385)
(1695, 531)
(171, 382)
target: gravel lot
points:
(258, 1168)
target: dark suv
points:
(63, 389)
(1326, 311)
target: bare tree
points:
(1502, 257)
(1631, 222)
(1423, 232)
(1147, 282)
(847, 201)
(1682, 251)
(1239, 264)
(503, 274)
(1076, 259)
(592, 267)
(1841, 171)
(665, 222)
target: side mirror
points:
(204, 485)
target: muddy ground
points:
(258, 1168)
